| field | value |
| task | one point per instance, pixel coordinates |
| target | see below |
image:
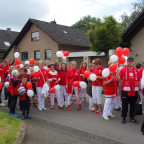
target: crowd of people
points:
(122, 88)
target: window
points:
(35, 36)
(24, 55)
(37, 55)
(47, 54)
(7, 43)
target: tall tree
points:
(104, 35)
(84, 23)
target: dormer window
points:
(35, 36)
(7, 43)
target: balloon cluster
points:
(62, 54)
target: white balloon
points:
(63, 57)
(113, 58)
(125, 59)
(57, 87)
(16, 54)
(93, 77)
(30, 93)
(106, 72)
(21, 65)
(15, 73)
(36, 68)
(83, 85)
(6, 84)
(27, 62)
(59, 54)
(29, 71)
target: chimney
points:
(53, 22)
(8, 30)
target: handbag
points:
(138, 107)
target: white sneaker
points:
(112, 116)
(2, 104)
(40, 109)
(106, 118)
(44, 108)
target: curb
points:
(22, 134)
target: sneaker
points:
(106, 118)
(133, 120)
(10, 114)
(40, 109)
(52, 107)
(23, 117)
(93, 111)
(15, 115)
(2, 104)
(60, 107)
(44, 108)
(68, 108)
(98, 112)
(123, 121)
(112, 116)
(79, 107)
(29, 116)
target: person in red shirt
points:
(54, 78)
(72, 75)
(82, 70)
(24, 100)
(110, 87)
(130, 87)
(41, 80)
(97, 86)
(21, 74)
(6, 68)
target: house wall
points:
(137, 47)
(42, 44)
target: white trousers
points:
(117, 102)
(91, 107)
(83, 92)
(58, 95)
(96, 94)
(76, 95)
(41, 99)
(64, 95)
(108, 107)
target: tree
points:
(104, 35)
(138, 7)
(84, 23)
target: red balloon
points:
(17, 61)
(48, 70)
(35, 74)
(62, 51)
(121, 60)
(126, 51)
(1, 85)
(66, 53)
(52, 90)
(31, 61)
(17, 66)
(76, 83)
(119, 51)
(87, 73)
(29, 85)
(113, 67)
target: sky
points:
(15, 13)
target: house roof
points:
(133, 29)
(6, 39)
(61, 34)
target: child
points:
(21, 74)
(110, 87)
(14, 84)
(24, 100)
(26, 74)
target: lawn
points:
(9, 129)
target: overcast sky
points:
(15, 13)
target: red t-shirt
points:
(6, 69)
(82, 70)
(2, 75)
(131, 76)
(98, 72)
(111, 89)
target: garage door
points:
(78, 60)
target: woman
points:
(82, 78)
(42, 78)
(54, 79)
(72, 75)
(97, 86)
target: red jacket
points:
(72, 75)
(23, 97)
(6, 69)
(82, 70)
(2, 74)
(14, 85)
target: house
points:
(133, 38)
(6, 39)
(41, 40)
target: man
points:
(130, 88)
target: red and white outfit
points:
(97, 86)
(39, 84)
(110, 94)
(82, 90)
(72, 76)
(51, 75)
